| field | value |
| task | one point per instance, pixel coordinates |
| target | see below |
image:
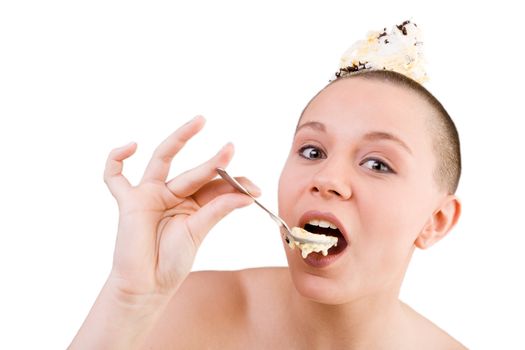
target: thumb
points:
(200, 223)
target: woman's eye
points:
(377, 165)
(311, 152)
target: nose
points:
(332, 180)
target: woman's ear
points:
(440, 223)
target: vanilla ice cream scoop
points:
(316, 242)
(400, 50)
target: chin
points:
(334, 282)
(319, 286)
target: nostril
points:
(317, 190)
(330, 191)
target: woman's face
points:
(363, 154)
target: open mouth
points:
(328, 231)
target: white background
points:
(80, 78)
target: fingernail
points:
(190, 121)
(254, 188)
(127, 145)
(194, 118)
(224, 147)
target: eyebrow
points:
(371, 136)
(312, 125)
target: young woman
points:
(374, 154)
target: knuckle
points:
(166, 158)
(161, 155)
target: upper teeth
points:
(322, 223)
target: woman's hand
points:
(162, 224)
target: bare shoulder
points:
(254, 278)
(429, 335)
(207, 304)
(210, 308)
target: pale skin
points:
(340, 162)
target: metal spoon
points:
(289, 236)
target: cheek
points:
(386, 239)
(291, 185)
(403, 208)
(392, 220)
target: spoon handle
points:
(276, 218)
(241, 188)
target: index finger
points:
(159, 165)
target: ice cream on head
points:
(399, 50)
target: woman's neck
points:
(375, 321)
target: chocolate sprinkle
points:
(350, 69)
(402, 27)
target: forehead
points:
(356, 106)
